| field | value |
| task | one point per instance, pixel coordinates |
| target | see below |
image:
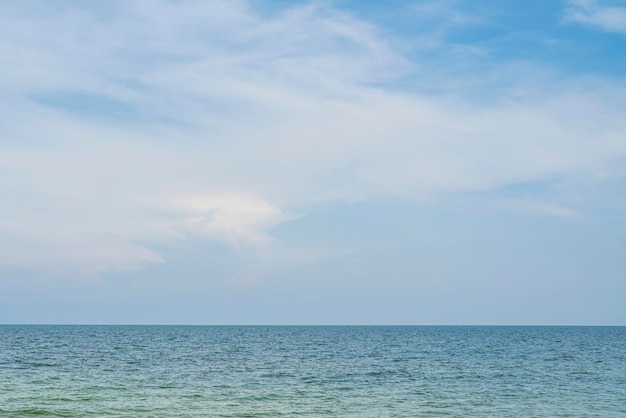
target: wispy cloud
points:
(109, 110)
(537, 207)
(446, 13)
(597, 14)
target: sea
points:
(312, 371)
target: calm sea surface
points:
(169, 371)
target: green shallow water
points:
(167, 371)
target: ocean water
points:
(379, 371)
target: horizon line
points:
(309, 325)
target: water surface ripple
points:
(379, 371)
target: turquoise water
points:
(167, 371)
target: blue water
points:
(167, 371)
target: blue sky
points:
(331, 162)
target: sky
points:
(313, 162)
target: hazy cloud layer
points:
(131, 125)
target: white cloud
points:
(240, 220)
(589, 12)
(250, 116)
